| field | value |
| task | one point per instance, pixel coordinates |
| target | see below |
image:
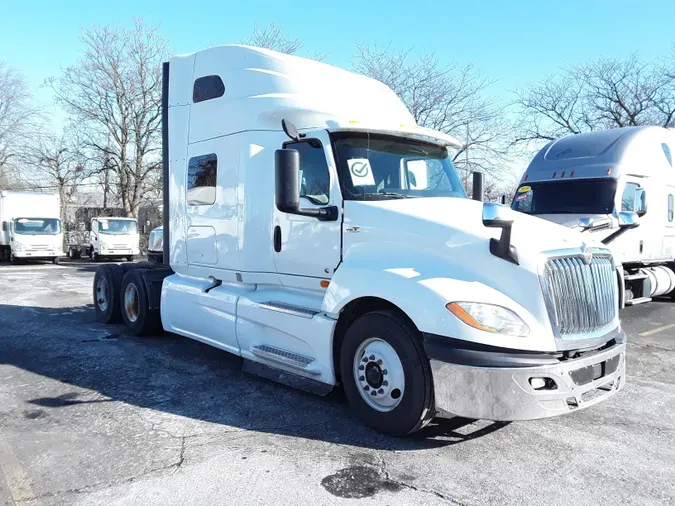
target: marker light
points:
(554, 175)
(572, 174)
(525, 178)
(489, 318)
(563, 174)
(609, 171)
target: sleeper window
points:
(314, 176)
(628, 197)
(201, 180)
(207, 88)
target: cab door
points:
(305, 247)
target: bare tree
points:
(605, 93)
(18, 116)
(113, 94)
(56, 163)
(272, 36)
(446, 97)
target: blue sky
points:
(515, 42)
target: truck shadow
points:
(175, 375)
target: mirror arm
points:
(329, 213)
(614, 235)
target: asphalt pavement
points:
(90, 415)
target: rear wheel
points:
(56, 260)
(386, 374)
(136, 313)
(107, 283)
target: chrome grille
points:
(582, 298)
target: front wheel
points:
(386, 373)
(56, 260)
(14, 260)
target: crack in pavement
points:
(431, 491)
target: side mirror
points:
(502, 199)
(594, 224)
(287, 190)
(628, 220)
(498, 216)
(5, 226)
(640, 201)
(478, 192)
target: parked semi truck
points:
(312, 228)
(31, 227)
(109, 238)
(584, 181)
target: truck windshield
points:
(37, 226)
(375, 167)
(117, 227)
(590, 196)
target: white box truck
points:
(105, 238)
(584, 181)
(31, 227)
(313, 229)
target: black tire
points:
(130, 259)
(137, 316)
(14, 260)
(416, 407)
(95, 257)
(108, 309)
(56, 260)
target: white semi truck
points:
(584, 181)
(30, 226)
(313, 229)
(109, 238)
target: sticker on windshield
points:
(104, 225)
(522, 196)
(524, 189)
(360, 171)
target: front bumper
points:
(122, 252)
(497, 385)
(38, 255)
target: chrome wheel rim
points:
(379, 375)
(102, 293)
(131, 304)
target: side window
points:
(666, 151)
(628, 197)
(201, 180)
(314, 175)
(670, 208)
(206, 88)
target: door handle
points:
(277, 238)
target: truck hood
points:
(453, 222)
(38, 239)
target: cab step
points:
(281, 307)
(639, 300)
(286, 358)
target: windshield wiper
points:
(385, 194)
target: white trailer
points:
(30, 226)
(583, 181)
(110, 238)
(344, 250)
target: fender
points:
(421, 283)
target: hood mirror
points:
(628, 220)
(594, 223)
(499, 216)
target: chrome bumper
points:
(506, 394)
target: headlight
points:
(490, 318)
